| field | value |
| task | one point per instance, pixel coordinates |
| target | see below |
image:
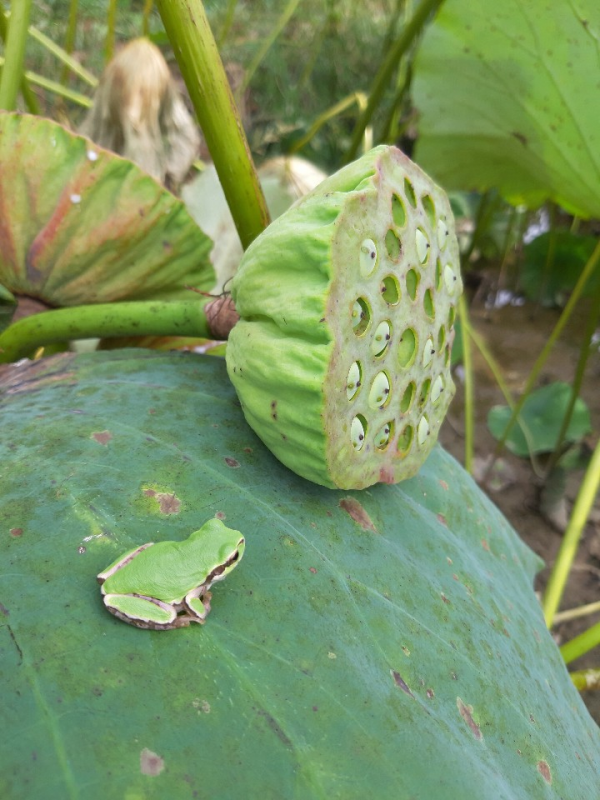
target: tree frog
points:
(166, 585)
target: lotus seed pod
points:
(341, 358)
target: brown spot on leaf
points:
(168, 503)
(430, 694)
(151, 763)
(102, 437)
(231, 462)
(544, 769)
(16, 532)
(466, 713)
(445, 599)
(442, 519)
(247, 450)
(220, 515)
(444, 485)
(313, 570)
(274, 409)
(401, 683)
(485, 545)
(520, 137)
(357, 512)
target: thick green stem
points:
(581, 644)
(151, 318)
(570, 542)
(194, 46)
(14, 53)
(29, 97)
(409, 33)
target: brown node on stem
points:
(139, 113)
(221, 316)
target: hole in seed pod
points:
(437, 389)
(405, 440)
(368, 257)
(412, 283)
(429, 209)
(410, 193)
(381, 338)
(383, 435)
(423, 430)
(424, 393)
(450, 278)
(428, 352)
(442, 233)
(422, 244)
(407, 347)
(451, 316)
(354, 380)
(390, 290)
(408, 397)
(392, 245)
(358, 432)
(428, 304)
(438, 274)
(361, 316)
(441, 337)
(398, 212)
(379, 395)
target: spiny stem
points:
(196, 51)
(151, 318)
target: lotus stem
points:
(568, 549)
(581, 644)
(196, 51)
(150, 318)
(16, 39)
(409, 33)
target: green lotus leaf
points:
(80, 225)
(384, 643)
(341, 359)
(508, 98)
(542, 415)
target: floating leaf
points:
(384, 643)
(79, 224)
(508, 99)
(542, 415)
